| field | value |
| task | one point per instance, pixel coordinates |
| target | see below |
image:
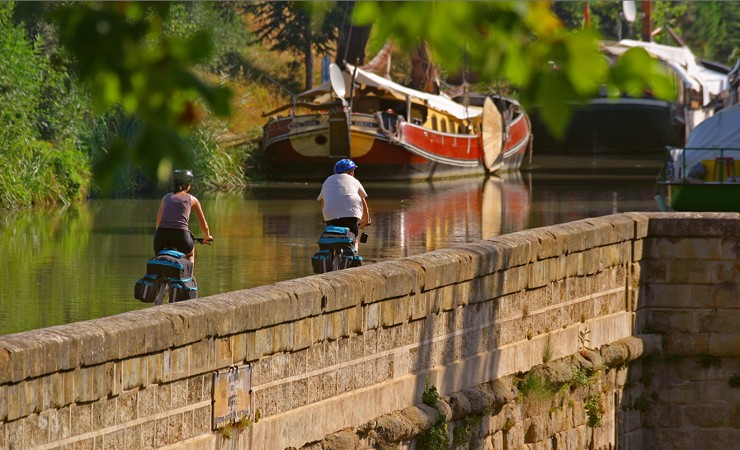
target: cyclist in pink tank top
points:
(173, 231)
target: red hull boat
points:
(393, 132)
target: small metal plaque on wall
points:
(232, 395)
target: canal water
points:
(72, 264)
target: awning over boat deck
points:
(362, 77)
(720, 131)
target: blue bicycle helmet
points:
(344, 165)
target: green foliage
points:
(430, 396)
(593, 411)
(713, 29)
(464, 430)
(436, 437)
(41, 121)
(534, 386)
(227, 30)
(136, 65)
(734, 381)
(643, 403)
(584, 377)
(218, 169)
(708, 361)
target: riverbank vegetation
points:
(70, 120)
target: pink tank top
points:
(176, 211)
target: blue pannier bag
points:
(335, 237)
(173, 266)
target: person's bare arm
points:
(365, 221)
(202, 220)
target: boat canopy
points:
(365, 78)
(722, 130)
(682, 60)
(717, 136)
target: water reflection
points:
(74, 264)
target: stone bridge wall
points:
(336, 351)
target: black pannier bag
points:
(146, 288)
(349, 259)
(176, 268)
(321, 261)
(183, 289)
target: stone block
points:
(724, 322)
(685, 224)
(61, 351)
(440, 268)
(81, 419)
(485, 257)
(355, 317)
(301, 335)
(133, 373)
(21, 356)
(730, 248)
(263, 342)
(676, 296)
(725, 344)
(689, 271)
(125, 407)
(518, 249)
(686, 344)
(604, 231)
(163, 399)
(401, 277)
(282, 338)
(671, 322)
(307, 293)
(637, 250)
(251, 341)
(261, 372)
(345, 290)
(393, 312)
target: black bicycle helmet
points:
(182, 177)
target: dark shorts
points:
(173, 239)
(353, 223)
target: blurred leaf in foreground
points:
(135, 65)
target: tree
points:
(301, 27)
(146, 72)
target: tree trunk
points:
(308, 57)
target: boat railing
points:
(702, 165)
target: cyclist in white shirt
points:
(342, 198)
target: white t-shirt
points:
(342, 194)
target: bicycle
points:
(336, 250)
(169, 274)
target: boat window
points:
(444, 125)
(434, 123)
